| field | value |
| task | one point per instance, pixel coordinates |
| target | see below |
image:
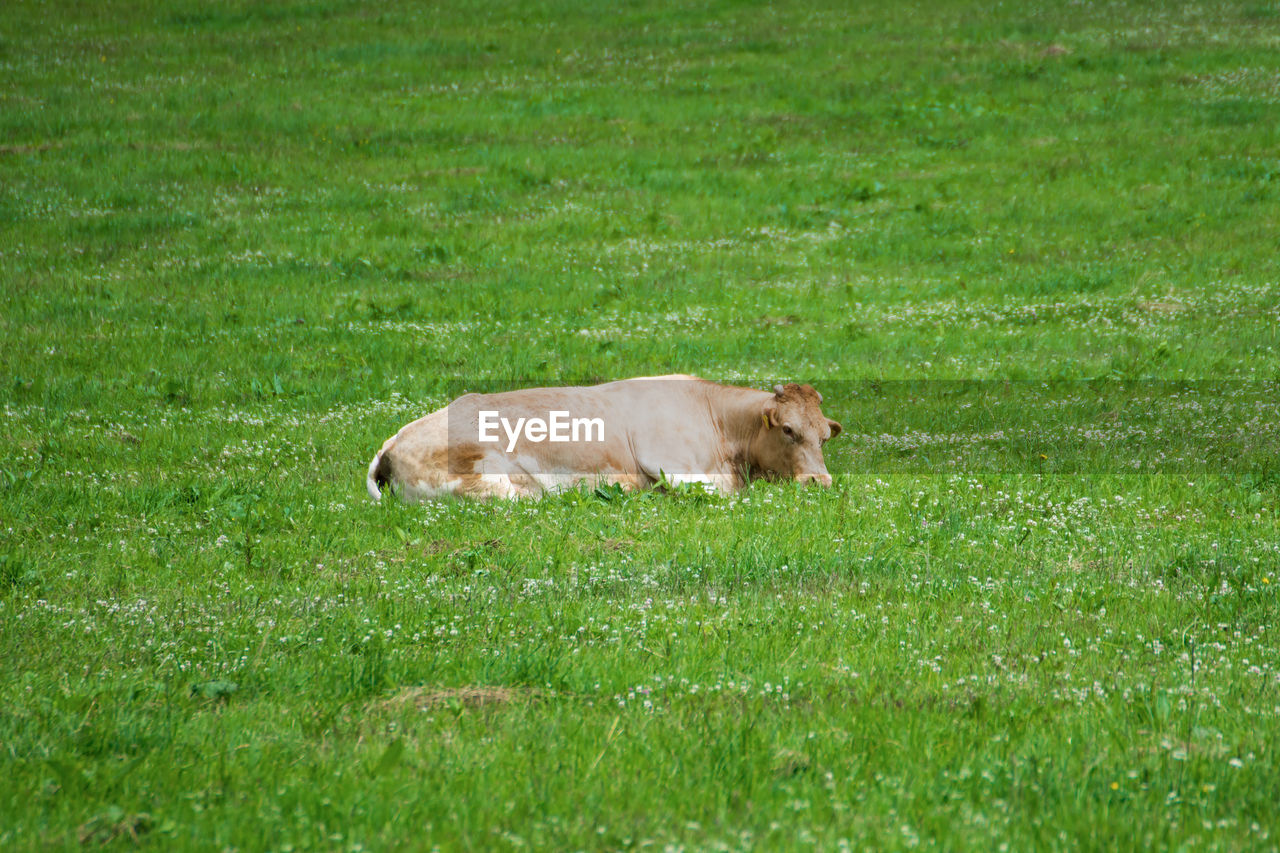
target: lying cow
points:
(635, 432)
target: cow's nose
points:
(820, 479)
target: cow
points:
(637, 433)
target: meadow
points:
(1026, 251)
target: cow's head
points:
(792, 432)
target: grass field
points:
(1026, 250)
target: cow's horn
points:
(777, 389)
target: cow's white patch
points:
(424, 490)
(709, 482)
(500, 486)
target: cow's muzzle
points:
(821, 479)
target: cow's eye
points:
(789, 432)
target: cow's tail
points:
(379, 473)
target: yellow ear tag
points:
(764, 416)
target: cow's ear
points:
(835, 427)
(768, 415)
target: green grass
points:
(1027, 252)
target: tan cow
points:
(636, 432)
